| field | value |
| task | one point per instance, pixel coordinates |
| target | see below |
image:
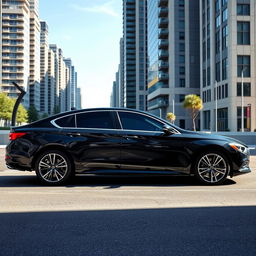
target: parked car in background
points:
(121, 141)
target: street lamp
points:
(242, 99)
(216, 107)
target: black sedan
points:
(121, 141)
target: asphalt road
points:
(127, 216)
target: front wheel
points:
(53, 167)
(212, 168)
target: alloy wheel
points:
(212, 168)
(53, 168)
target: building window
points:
(224, 15)
(208, 48)
(204, 77)
(217, 21)
(181, 58)
(182, 82)
(208, 76)
(182, 47)
(217, 72)
(243, 9)
(224, 68)
(207, 120)
(224, 37)
(182, 70)
(217, 42)
(182, 35)
(243, 65)
(243, 32)
(247, 89)
(222, 116)
(247, 118)
(182, 123)
(217, 6)
(224, 2)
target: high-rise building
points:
(173, 57)
(121, 74)
(1, 12)
(51, 79)
(15, 46)
(135, 54)
(71, 85)
(34, 78)
(228, 64)
(44, 72)
(78, 98)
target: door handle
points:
(74, 134)
(129, 137)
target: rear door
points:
(95, 141)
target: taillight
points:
(16, 135)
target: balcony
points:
(159, 102)
(163, 54)
(163, 22)
(130, 29)
(163, 44)
(163, 12)
(162, 3)
(163, 76)
(163, 33)
(163, 65)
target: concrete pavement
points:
(127, 216)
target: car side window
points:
(99, 119)
(67, 121)
(133, 121)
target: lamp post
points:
(242, 99)
(216, 107)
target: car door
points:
(146, 147)
(95, 141)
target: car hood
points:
(200, 135)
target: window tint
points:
(132, 121)
(67, 121)
(100, 119)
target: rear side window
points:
(133, 121)
(67, 121)
(100, 119)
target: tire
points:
(53, 167)
(212, 168)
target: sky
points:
(88, 32)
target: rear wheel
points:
(212, 168)
(53, 167)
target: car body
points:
(121, 141)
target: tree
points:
(44, 115)
(194, 104)
(56, 109)
(32, 114)
(171, 117)
(6, 107)
(22, 115)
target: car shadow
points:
(162, 231)
(109, 181)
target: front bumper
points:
(243, 170)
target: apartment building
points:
(227, 37)
(173, 57)
(135, 54)
(44, 48)
(15, 47)
(34, 66)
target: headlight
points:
(238, 147)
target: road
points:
(127, 216)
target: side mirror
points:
(168, 130)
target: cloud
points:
(105, 8)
